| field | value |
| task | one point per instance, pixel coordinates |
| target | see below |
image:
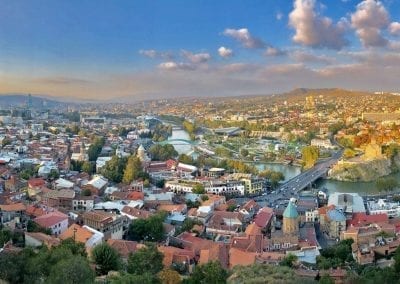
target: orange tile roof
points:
(252, 230)
(123, 247)
(81, 235)
(239, 257)
(13, 207)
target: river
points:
(290, 171)
(180, 147)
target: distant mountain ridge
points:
(21, 100)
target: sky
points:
(131, 49)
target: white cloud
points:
(315, 30)
(245, 38)
(196, 58)
(368, 20)
(279, 16)
(394, 28)
(304, 57)
(151, 53)
(172, 66)
(274, 51)
(225, 52)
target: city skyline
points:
(149, 49)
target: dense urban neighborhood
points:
(110, 195)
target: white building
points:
(222, 187)
(392, 209)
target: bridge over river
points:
(293, 186)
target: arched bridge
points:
(178, 142)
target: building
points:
(83, 234)
(348, 203)
(56, 221)
(83, 203)
(113, 226)
(290, 220)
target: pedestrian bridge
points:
(178, 142)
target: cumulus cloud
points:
(394, 28)
(196, 58)
(173, 66)
(274, 51)
(245, 38)
(304, 57)
(312, 29)
(225, 52)
(279, 16)
(368, 20)
(152, 53)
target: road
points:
(293, 186)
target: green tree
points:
(244, 152)
(183, 158)
(397, 260)
(106, 258)
(145, 260)
(211, 272)
(162, 152)
(133, 169)
(289, 260)
(125, 278)
(349, 153)
(87, 167)
(150, 229)
(386, 184)
(113, 169)
(74, 270)
(198, 188)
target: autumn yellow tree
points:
(169, 276)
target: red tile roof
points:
(50, 219)
(362, 219)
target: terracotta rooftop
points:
(123, 247)
(50, 219)
(81, 235)
(13, 207)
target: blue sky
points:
(154, 49)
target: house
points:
(83, 203)
(177, 256)
(264, 217)
(12, 212)
(33, 239)
(135, 213)
(113, 226)
(123, 247)
(249, 209)
(204, 250)
(225, 223)
(14, 184)
(59, 198)
(56, 221)
(83, 234)
(96, 185)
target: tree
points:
(310, 155)
(132, 170)
(113, 169)
(54, 174)
(386, 184)
(349, 153)
(326, 279)
(397, 260)
(183, 158)
(95, 148)
(198, 188)
(86, 192)
(74, 270)
(169, 276)
(87, 167)
(145, 260)
(125, 278)
(244, 152)
(150, 229)
(106, 258)
(162, 152)
(211, 272)
(289, 260)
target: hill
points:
(21, 100)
